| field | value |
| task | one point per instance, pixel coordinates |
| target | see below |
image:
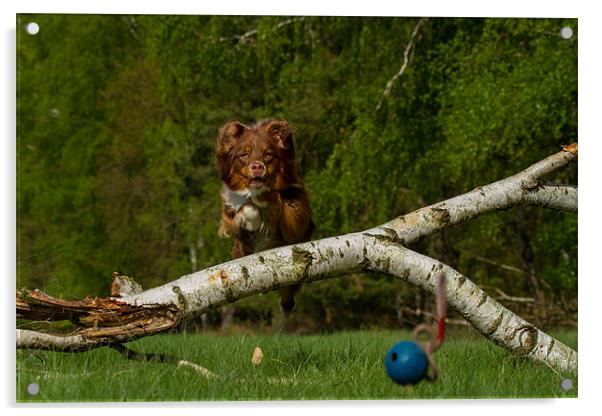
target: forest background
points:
(117, 117)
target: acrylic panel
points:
(255, 208)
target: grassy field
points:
(342, 366)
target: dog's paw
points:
(248, 218)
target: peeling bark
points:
(380, 249)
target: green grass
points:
(342, 366)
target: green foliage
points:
(512, 99)
(117, 118)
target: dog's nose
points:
(257, 169)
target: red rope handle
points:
(435, 340)
(441, 308)
(440, 331)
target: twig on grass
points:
(201, 370)
(162, 358)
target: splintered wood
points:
(98, 318)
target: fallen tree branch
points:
(44, 341)
(100, 320)
(379, 249)
(193, 292)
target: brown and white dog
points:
(264, 201)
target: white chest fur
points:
(236, 199)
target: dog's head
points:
(257, 157)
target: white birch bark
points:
(41, 340)
(383, 249)
(561, 198)
(193, 292)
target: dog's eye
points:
(244, 157)
(268, 157)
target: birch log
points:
(379, 249)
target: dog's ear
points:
(283, 134)
(226, 138)
(228, 135)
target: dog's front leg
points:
(247, 218)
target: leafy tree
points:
(117, 118)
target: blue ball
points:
(406, 363)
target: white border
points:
(467, 8)
(589, 231)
